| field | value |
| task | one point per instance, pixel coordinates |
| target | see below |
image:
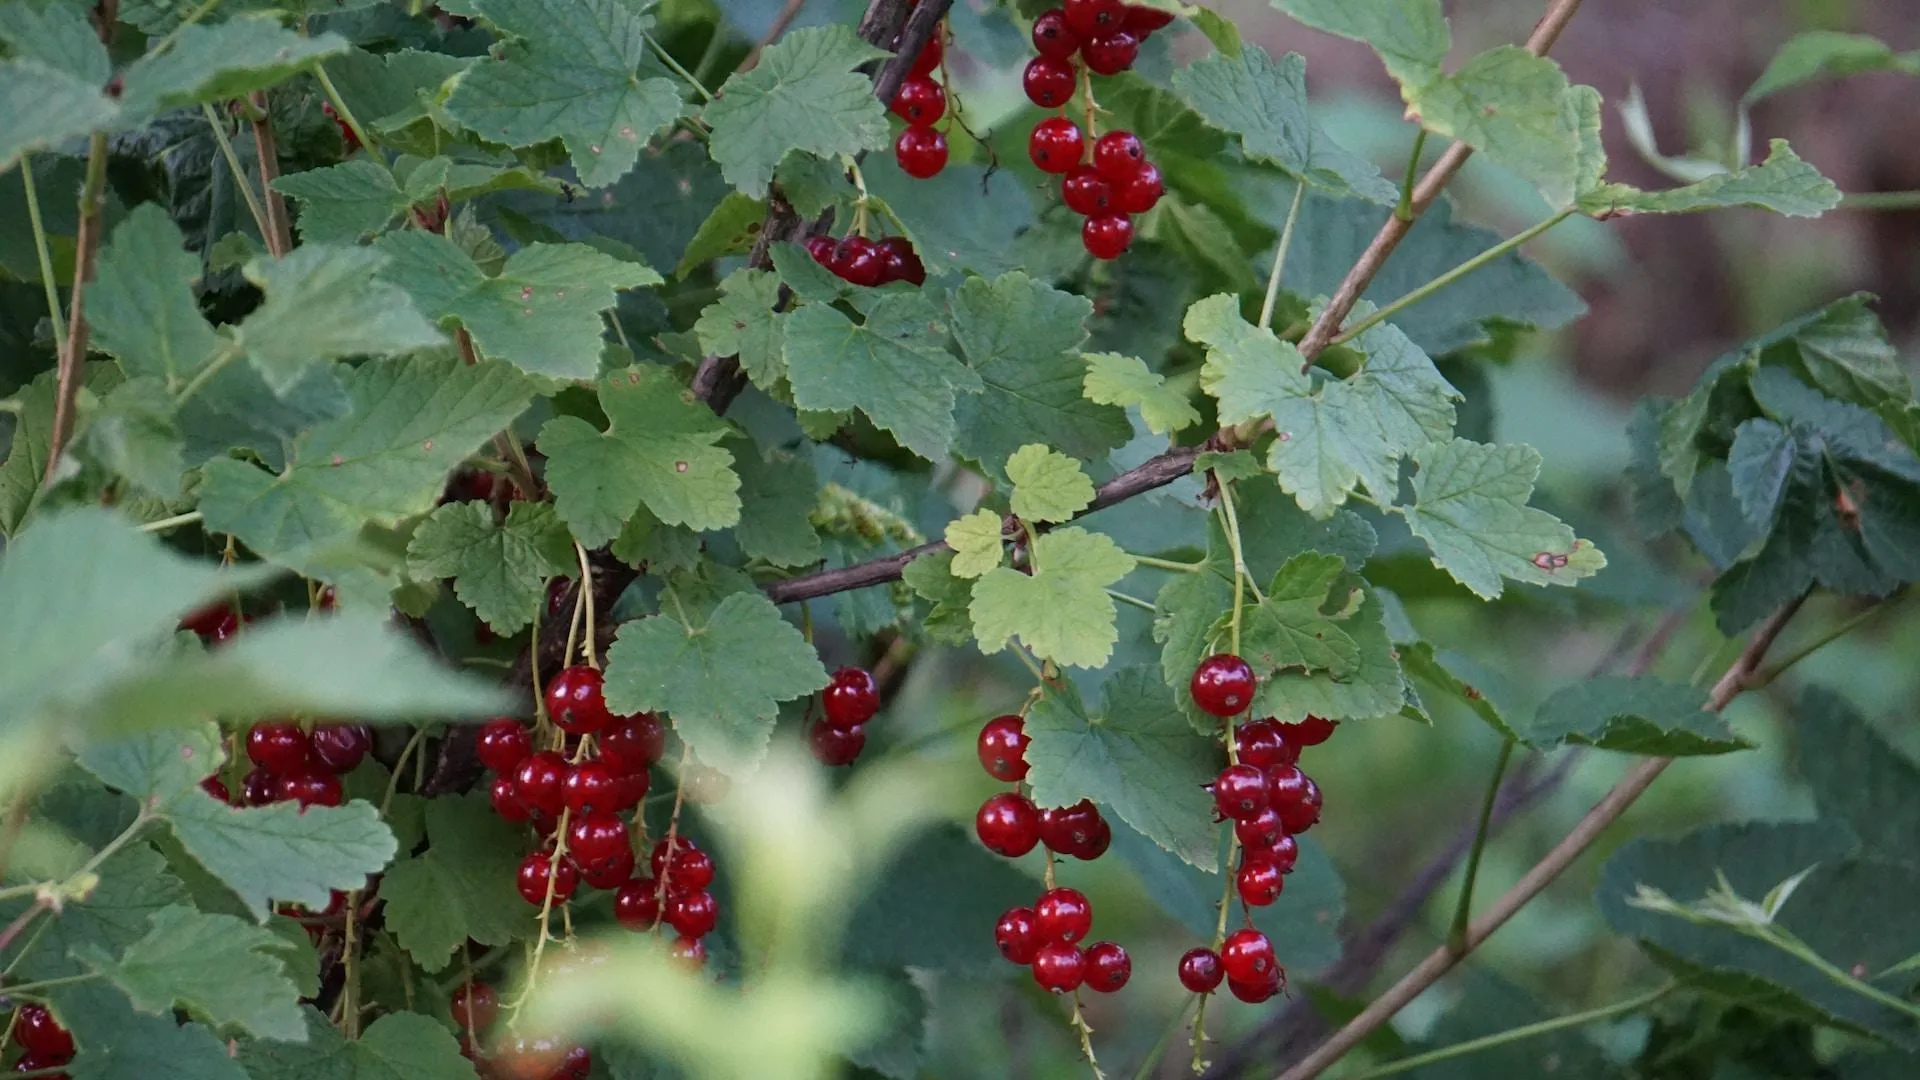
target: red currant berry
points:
(1059, 967)
(35, 1062)
(35, 1029)
(1008, 825)
(1247, 956)
(1304, 812)
(657, 858)
(1223, 685)
(1017, 936)
(575, 702)
(1286, 785)
(610, 873)
(1048, 82)
(903, 263)
(632, 743)
(1063, 915)
(1003, 749)
(921, 152)
(1200, 971)
(502, 744)
(474, 1006)
(214, 623)
(311, 787)
(1091, 18)
(689, 953)
(1261, 831)
(1285, 854)
(821, 248)
(347, 138)
(1085, 193)
(1312, 731)
(260, 786)
(505, 798)
(1118, 155)
(834, 746)
(1240, 791)
(1108, 967)
(920, 101)
(282, 748)
(692, 871)
(1056, 145)
(589, 786)
(1070, 829)
(1110, 54)
(929, 57)
(1107, 236)
(1052, 37)
(1140, 20)
(1261, 743)
(1255, 993)
(637, 905)
(1259, 882)
(1140, 192)
(851, 699)
(558, 591)
(593, 838)
(532, 879)
(630, 790)
(539, 781)
(341, 747)
(1096, 845)
(693, 914)
(576, 1065)
(217, 788)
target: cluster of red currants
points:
(872, 263)
(347, 136)
(291, 764)
(848, 702)
(47, 1045)
(921, 149)
(1046, 936)
(475, 1006)
(1115, 180)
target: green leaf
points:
(731, 229)
(778, 494)
(133, 434)
(397, 1046)
(1019, 335)
(326, 303)
(1410, 35)
(933, 579)
(1047, 485)
(219, 61)
(1374, 688)
(1265, 103)
(1642, 715)
(1759, 463)
(895, 367)
(461, 887)
(1783, 184)
(1227, 467)
(412, 422)
(283, 852)
(1470, 506)
(659, 451)
(1136, 755)
(1818, 54)
(45, 107)
(571, 75)
(1113, 379)
(158, 769)
(214, 966)
(1856, 776)
(498, 570)
(141, 306)
(1434, 669)
(1488, 1006)
(389, 91)
(1060, 611)
(1292, 627)
(743, 323)
(541, 314)
(341, 203)
(721, 679)
(926, 907)
(1507, 103)
(803, 95)
(58, 36)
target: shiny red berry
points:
(575, 701)
(692, 871)
(1069, 830)
(903, 263)
(821, 248)
(532, 879)
(311, 787)
(1261, 831)
(1008, 824)
(505, 798)
(1056, 144)
(632, 743)
(1048, 82)
(1107, 236)
(341, 747)
(474, 1006)
(1003, 748)
(1262, 744)
(1259, 882)
(1247, 956)
(1085, 193)
(637, 905)
(1096, 845)
(1052, 37)
(693, 914)
(35, 1029)
(593, 838)
(1311, 731)
(214, 623)
(1091, 18)
(929, 57)
(921, 152)
(1141, 20)
(1108, 967)
(609, 873)
(1255, 993)
(1059, 967)
(281, 748)
(503, 743)
(1017, 935)
(217, 788)
(1200, 971)
(589, 786)
(657, 859)
(1285, 854)
(1302, 813)
(1118, 155)
(834, 746)
(1063, 915)
(1223, 685)
(539, 782)
(1240, 791)
(1140, 192)
(851, 699)
(920, 101)
(1110, 53)
(1286, 785)
(260, 786)
(576, 1065)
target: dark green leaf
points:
(1856, 776)
(397, 1046)
(934, 907)
(894, 367)
(498, 570)
(462, 887)
(1642, 715)
(215, 966)
(803, 95)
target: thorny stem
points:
(340, 108)
(239, 174)
(74, 352)
(1513, 1035)
(1463, 911)
(1280, 256)
(1394, 307)
(41, 251)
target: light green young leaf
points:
(141, 306)
(1642, 715)
(326, 303)
(498, 570)
(45, 107)
(1293, 628)
(1113, 379)
(1047, 485)
(932, 578)
(571, 75)
(1265, 103)
(803, 95)
(895, 368)
(1783, 184)
(1818, 54)
(743, 323)
(59, 36)
(720, 679)
(222, 60)
(461, 887)
(1061, 611)
(660, 450)
(215, 966)
(1136, 756)
(1227, 467)
(1470, 506)
(1411, 36)
(730, 229)
(1508, 104)
(976, 542)
(542, 314)
(283, 852)
(341, 203)
(397, 1046)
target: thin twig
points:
(46, 259)
(1463, 910)
(74, 353)
(240, 180)
(280, 238)
(780, 24)
(1513, 1035)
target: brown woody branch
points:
(267, 149)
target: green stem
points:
(340, 108)
(399, 764)
(1169, 564)
(1840, 630)
(1463, 911)
(667, 59)
(173, 522)
(1150, 1065)
(1513, 1035)
(1133, 600)
(1881, 200)
(711, 54)
(1020, 653)
(1404, 211)
(206, 374)
(35, 989)
(1794, 947)
(173, 35)
(1448, 278)
(1280, 257)
(46, 258)
(239, 174)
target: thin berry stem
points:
(675, 66)
(1086, 1038)
(1842, 629)
(1280, 257)
(1513, 1035)
(673, 832)
(1169, 564)
(340, 109)
(174, 522)
(1393, 307)
(1403, 211)
(586, 595)
(1133, 601)
(240, 180)
(43, 254)
(1463, 910)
